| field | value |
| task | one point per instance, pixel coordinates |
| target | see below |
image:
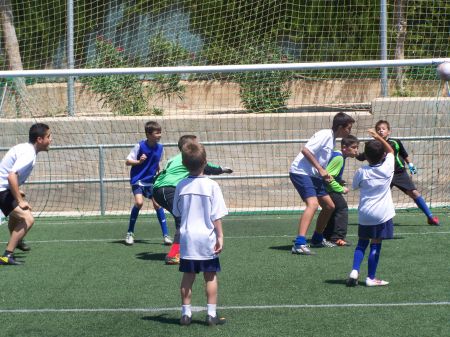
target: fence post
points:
(101, 173)
(70, 59)
(383, 47)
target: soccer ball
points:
(443, 71)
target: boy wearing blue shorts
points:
(144, 160)
(376, 208)
(309, 177)
(199, 203)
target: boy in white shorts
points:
(199, 203)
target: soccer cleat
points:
(375, 282)
(129, 239)
(301, 250)
(352, 280)
(8, 260)
(172, 260)
(167, 240)
(323, 244)
(185, 320)
(433, 221)
(342, 243)
(212, 321)
(23, 246)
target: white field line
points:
(233, 307)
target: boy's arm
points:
(323, 173)
(404, 154)
(387, 148)
(219, 236)
(333, 168)
(132, 159)
(212, 169)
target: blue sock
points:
(300, 240)
(358, 256)
(133, 217)
(162, 221)
(420, 202)
(374, 256)
(317, 237)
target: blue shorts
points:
(199, 266)
(308, 186)
(146, 191)
(383, 231)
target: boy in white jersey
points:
(376, 208)
(308, 175)
(15, 168)
(199, 203)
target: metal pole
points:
(383, 47)
(101, 174)
(70, 59)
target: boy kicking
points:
(199, 203)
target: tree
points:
(400, 23)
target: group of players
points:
(194, 200)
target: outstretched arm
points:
(211, 169)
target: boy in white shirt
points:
(376, 208)
(199, 202)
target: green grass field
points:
(81, 280)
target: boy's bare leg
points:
(186, 288)
(327, 205)
(20, 222)
(312, 204)
(211, 287)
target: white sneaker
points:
(129, 238)
(375, 282)
(352, 278)
(301, 250)
(167, 240)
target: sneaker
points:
(434, 221)
(323, 244)
(353, 279)
(171, 260)
(23, 246)
(375, 282)
(301, 250)
(167, 240)
(185, 320)
(129, 239)
(8, 260)
(212, 321)
(341, 243)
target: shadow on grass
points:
(169, 320)
(151, 256)
(338, 282)
(287, 248)
(122, 242)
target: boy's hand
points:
(326, 176)
(219, 245)
(345, 190)
(373, 133)
(412, 168)
(142, 158)
(226, 170)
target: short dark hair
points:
(341, 119)
(349, 140)
(194, 156)
(381, 121)
(374, 151)
(37, 130)
(152, 126)
(186, 139)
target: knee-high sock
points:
(358, 256)
(162, 221)
(374, 256)
(420, 202)
(133, 217)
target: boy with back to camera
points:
(376, 208)
(199, 203)
(308, 175)
(15, 168)
(336, 230)
(144, 160)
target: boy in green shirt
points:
(336, 229)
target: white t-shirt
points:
(375, 199)
(199, 202)
(20, 159)
(321, 145)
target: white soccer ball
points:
(443, 71)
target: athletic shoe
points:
(129, 239)
(23, 246)
(341, 243)
(352, 278)
(171, 260)
(185, 320)
(375, 282)
(434, 221)
(8, 260)
(167, 240)
(301, 250)
(323, 244)
(212, 321)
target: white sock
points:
(186, 310)
(212, 310)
